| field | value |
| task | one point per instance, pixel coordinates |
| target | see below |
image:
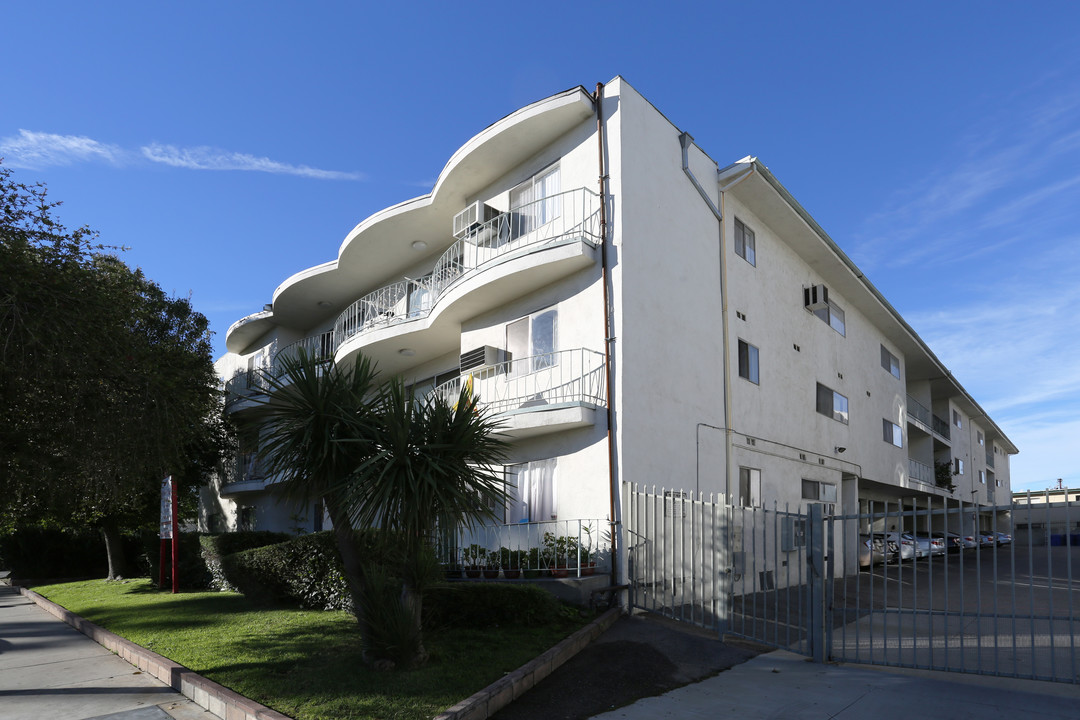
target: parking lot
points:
(1008, 610)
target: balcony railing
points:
(563, 548)
(917, 411)
(321, 347)
(921, 472)
(244, 384)
(941, 427)
(572, 214)
(989, 459)
(564, 376)
(922, 416)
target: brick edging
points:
(505, 690)
(216, 698)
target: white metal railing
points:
(563, 548)
(572, 214)
(558, 377)
(320, 346)
(921, 472)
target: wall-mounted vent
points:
(472, 217)
(479, 357)
(816, 297)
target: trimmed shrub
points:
(191, 567)
(214, 547)
(306, 570)
(483, 605)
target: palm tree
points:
(380, 460)
(317, 426)
(433, 467)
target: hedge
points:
(306, 570)
(484, 605)
(51, 553)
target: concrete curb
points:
(218, 699)
(505, 690)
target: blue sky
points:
(229, 145)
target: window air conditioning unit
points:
(479, 357)
(816, 297)
(472, 217)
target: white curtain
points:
(534, 497)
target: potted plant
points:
(561, 549)
(588, 563)
(535, 564)
(491, 565)
(511, 561)
(473, 557)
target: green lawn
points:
(303, 663)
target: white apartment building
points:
(636, 314)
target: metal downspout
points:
(609, 337)
(685, 141)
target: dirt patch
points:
(639, 656)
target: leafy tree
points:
(377, 459)
(106, 383)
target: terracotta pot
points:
(513, 574)
(472, 572)
(491, 573)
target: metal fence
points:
(554, 548)
(992, 593)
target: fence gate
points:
(738, 570)
(932, 583)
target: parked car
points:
(954, 542)
(986, 538)
(905, 545)
(931, 545)
(874, 550)
(1001, 538)
(926, 546)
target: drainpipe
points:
(615, 511)
(685, 141)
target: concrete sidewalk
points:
(50, 670)
(781, 684)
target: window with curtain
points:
(536, 202)
(532, 492)
(535, 337)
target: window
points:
(982, 477)
(532, 342)
(891, 433)
(833, 316)
(958, 467)
(532, 492)
(749, 487)
(890, 362)
(998, 483)
(956, 419)
(748, 362)
(821, 491)
(535, 202)
(832, 404)
(979, 437)
(745, 245)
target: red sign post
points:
(170, 530)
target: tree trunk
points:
(350, 559)
(114, 547)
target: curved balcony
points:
(247, 384)
(557, 221)
(539, 394)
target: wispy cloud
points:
(38, 150)
(1009, 177)
(207, 158)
